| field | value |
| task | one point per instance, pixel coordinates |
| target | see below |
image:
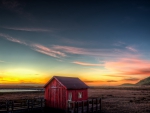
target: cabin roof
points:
(69, 82)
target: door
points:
(55, 97)
(53, 100)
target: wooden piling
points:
(100, 102)
(82, 106)
(92, 105)
(87, 106)
(96, 104)
(7, 106)
(12, 106)
(77, 107)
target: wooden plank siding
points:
(55, 95)
(75, 94)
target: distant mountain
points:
(127, 84)
(145, 81)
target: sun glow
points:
(21, 76)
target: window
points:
(80, 95)
(70, 96)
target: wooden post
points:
(7, 106)
(74, 106)
(44, 102)
(68, 106)
(100, 104)
(32, 103)
(12, 106)
(82, 106)
(41, 102)
(28, 105)
(77, 106)
(92, 105)
(96, 104)
(87, 106)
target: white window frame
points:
(79, 94)
(70, 96)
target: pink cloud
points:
(130, 66)
(69, 49)
(47, 51)
(130, 79)
(12, 39)
(36, 47)
(143, 71)
(86, 64)
(29, 29)
(62, 51)
(92, 52)
(131, 49)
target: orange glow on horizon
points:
(114, 73)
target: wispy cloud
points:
(131, 49)
(86, 64)
(2, 61)
(58, 51)
(94, 81)
(92, 52)
(129, 66)
(119, 43)
(71, 50)
(47, 51)
(115, 75)
(131, 79)
(30, 29)
(111, 81)
(12, 39)
(143, 71)
(36, 47)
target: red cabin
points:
(59, 90)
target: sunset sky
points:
(105, 42)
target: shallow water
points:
(17, 90)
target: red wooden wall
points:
(56, 95)
(75, 94)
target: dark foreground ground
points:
(114, 99)
(123, 99)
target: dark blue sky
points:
(88, 39)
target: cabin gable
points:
(55, 94)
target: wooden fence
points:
(28, 105)
(22, 105)
(87, 106)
